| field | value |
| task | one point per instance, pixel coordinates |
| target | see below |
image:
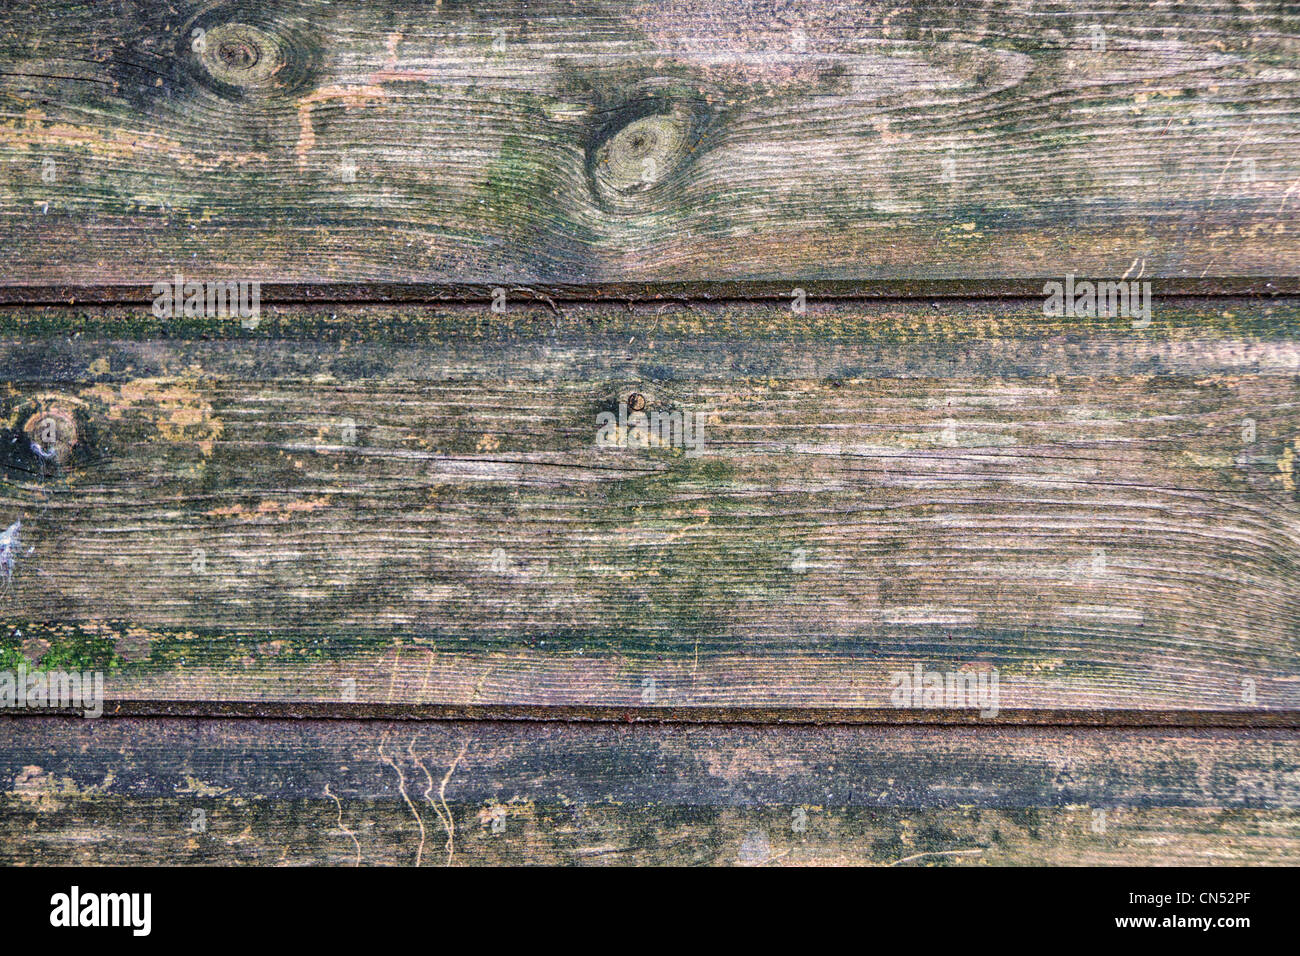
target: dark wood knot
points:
(239, 58)
(239, 54)
(53, 434)
(635, 160)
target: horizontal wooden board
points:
(435, 793)
(618, 141)
(408, 505)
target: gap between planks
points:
(710, 291)
(702, 716)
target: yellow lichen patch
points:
(177, 410)
(195, 787)
(283, 511)
(1197, 460)
(47, 792)
(488, 443)
(34, 131)
(962, 231)
(1286, 468)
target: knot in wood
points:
(640, 156)
(242, 55)
(53, 434)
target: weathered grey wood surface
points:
(341, 792)
(554, 142)
(386, 499)
(408, 505)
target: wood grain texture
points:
(349, 509)
(407, 505)
(583, 143)
(435, 793)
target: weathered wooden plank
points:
(614, 141)
(402, 505)
(484, 792)
(341, 792)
